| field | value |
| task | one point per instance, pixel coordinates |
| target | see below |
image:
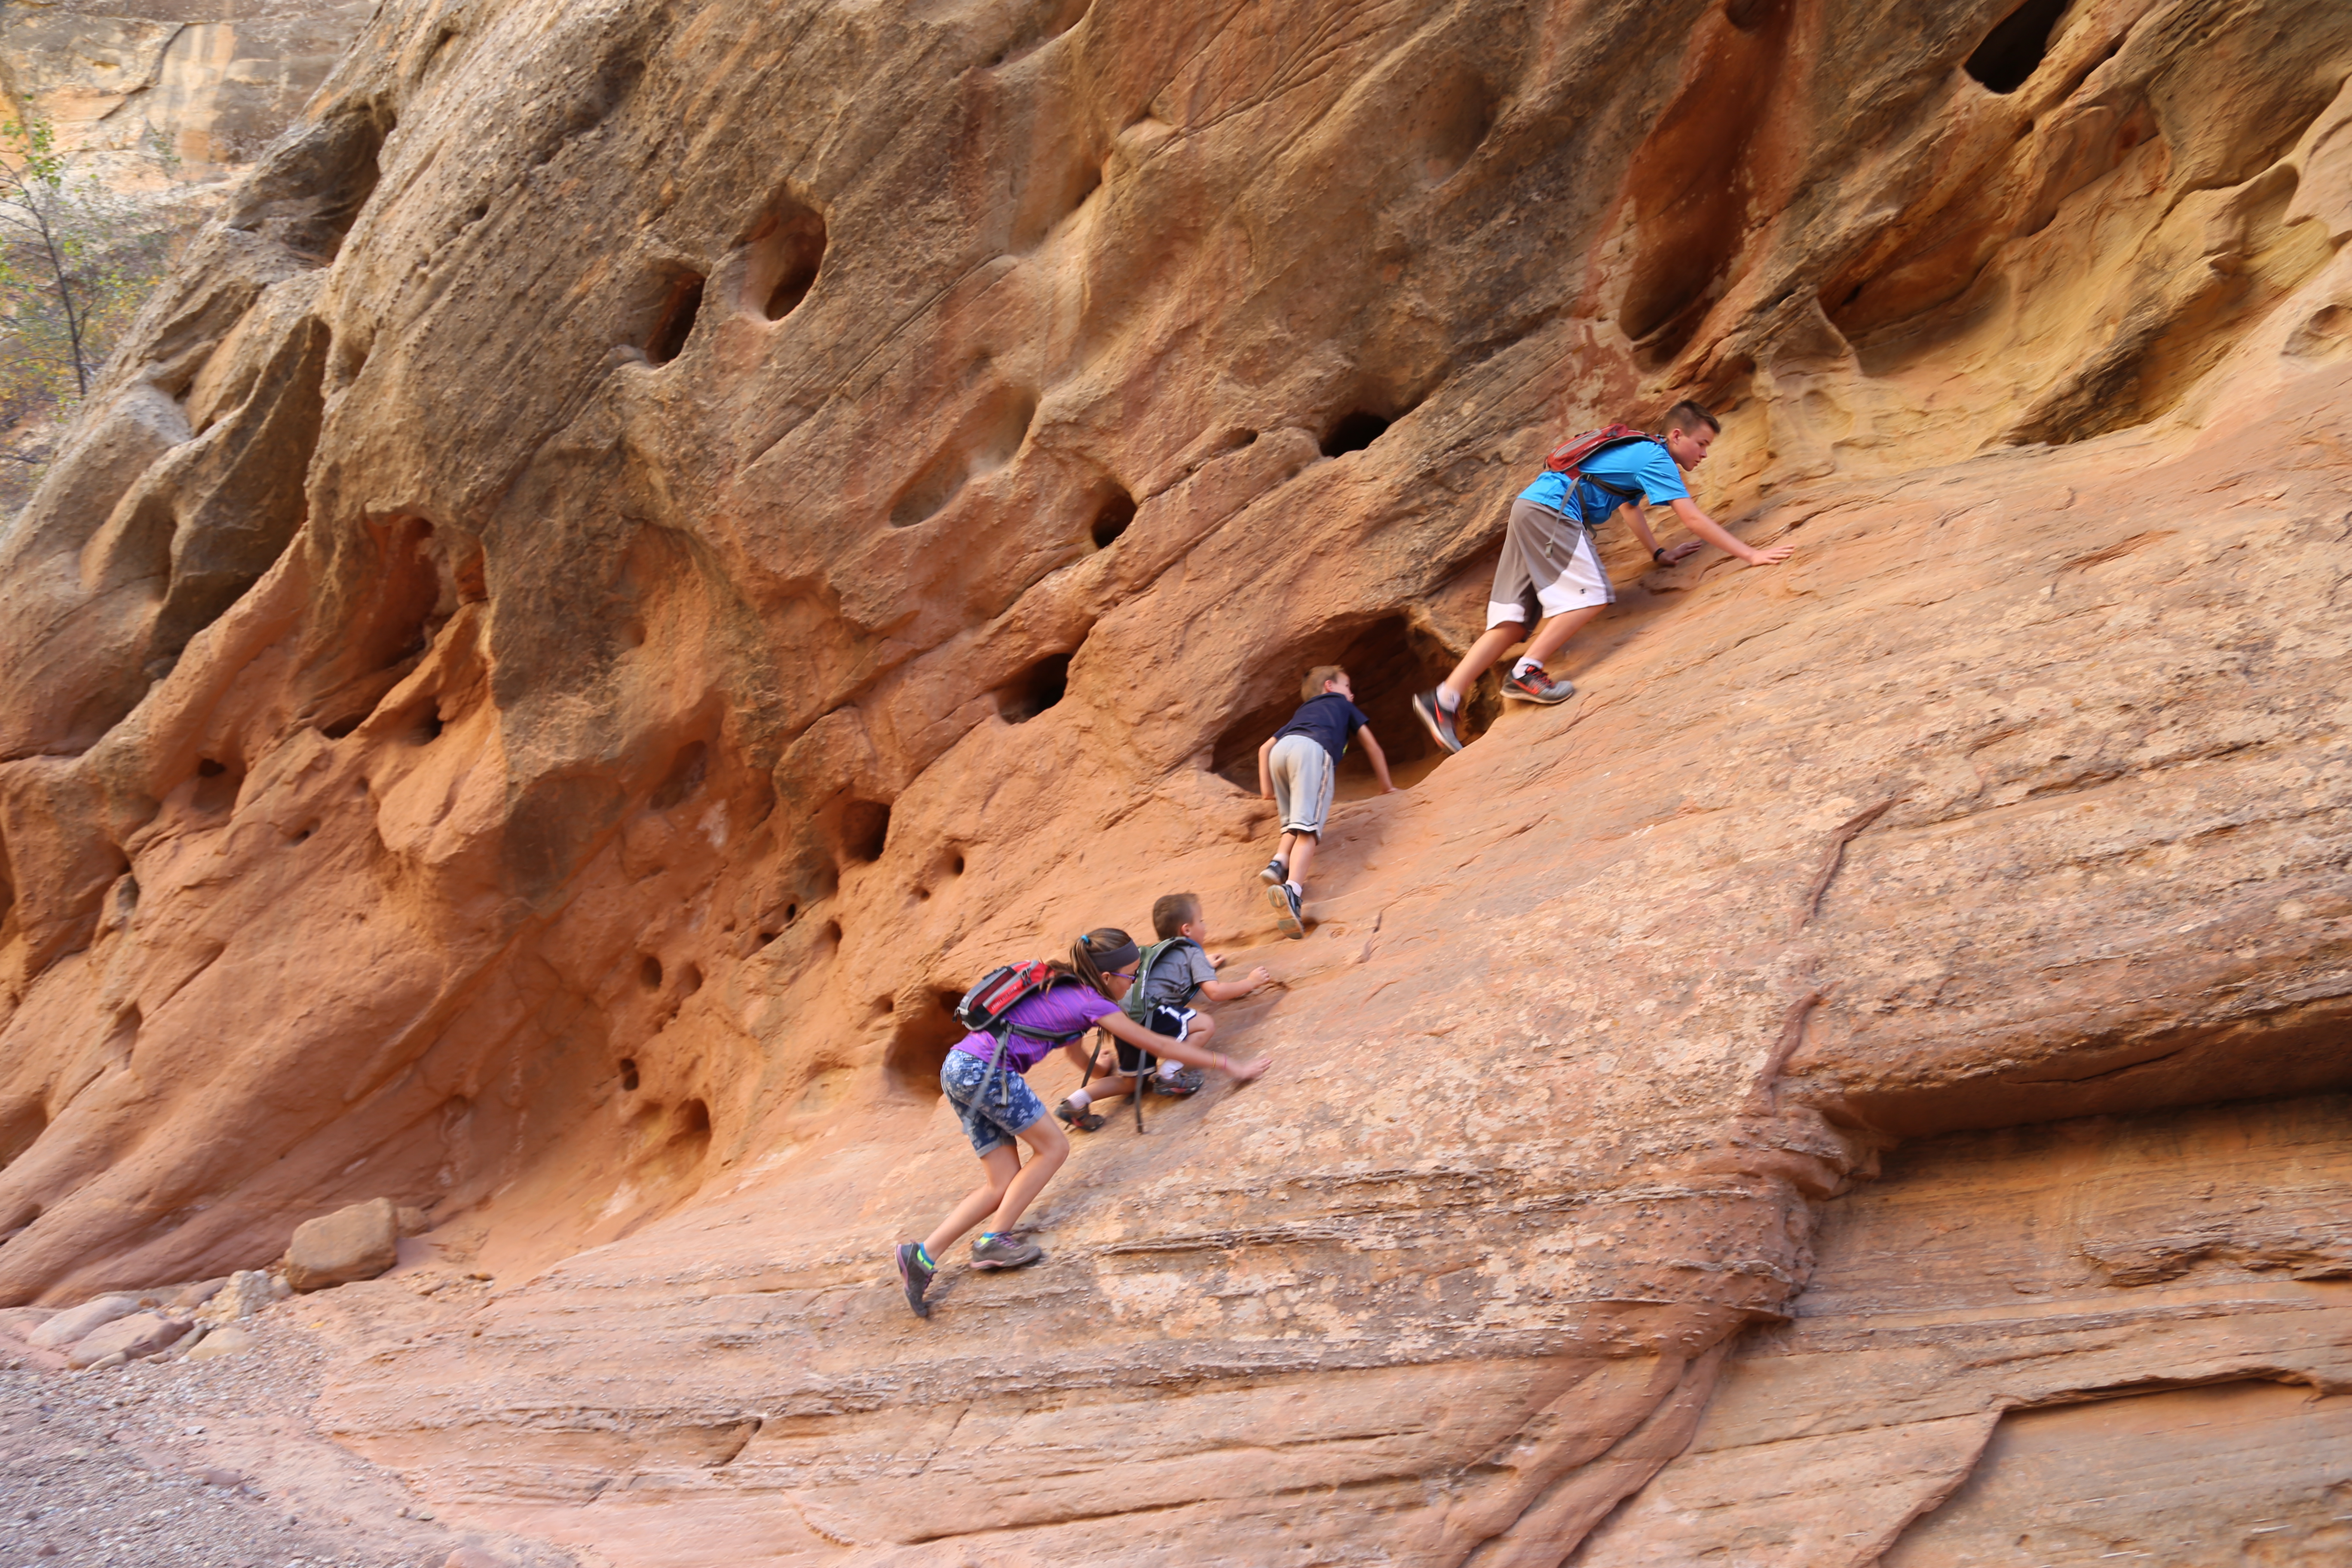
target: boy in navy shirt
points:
(1548, 549)
(1294, 767)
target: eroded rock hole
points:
(1111, 517)
(674, 324)
(1749, 15)
(924, 1032)
(786, 252)
(1386, 661)
(1354, 432)
(427, 727)
(628, 1076)
(2012, 51)
(216, 786)
(686, 772)
(650, 973)
(1043, 685)
(865, 830)
(689, 980)
(1452, 118)
(985, 440)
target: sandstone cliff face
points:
(652, 543)
(213, 81)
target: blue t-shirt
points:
(1330, 721)
(1640, 466)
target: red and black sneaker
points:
(1436, 720)
(1535, 686)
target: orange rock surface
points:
(654, 543)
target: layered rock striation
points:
(652, 542)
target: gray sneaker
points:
(1178, 1084)
(1287, 916)
(914, 1277)
(1005, 1252)
(1535, 686)
(1275, 871)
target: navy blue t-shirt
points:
(1330, 721)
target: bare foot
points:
(1245, 1071)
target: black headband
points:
(1118, 958)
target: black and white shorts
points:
(1175, 1023)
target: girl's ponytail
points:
(1102, 950)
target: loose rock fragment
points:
(142, 1333)
(70, 1326)
(357, 1242)
(247, 1291)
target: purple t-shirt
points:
(1065, 1010)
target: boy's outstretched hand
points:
(1257, 977)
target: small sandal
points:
(1082, 1120)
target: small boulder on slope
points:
(76, 1322)
(142, 1333)
(357, 1242)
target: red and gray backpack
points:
(1571, 455)
(987, 1009)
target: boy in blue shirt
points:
(1294, 767)
(1548, 549)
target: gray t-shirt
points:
(1179, 969)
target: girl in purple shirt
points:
(998, 1107)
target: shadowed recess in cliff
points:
(923, 1029)
(1386, 661)
(309, 190)
(1689, 185)
(782, 255)
(986, 439)
(1113, 510)
(1036, 689)
(673, 322)
(2013, 50)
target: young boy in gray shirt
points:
(1182, 971)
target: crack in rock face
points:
(649, 546)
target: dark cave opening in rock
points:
(922, 1034)
(2012, 51)
(1042, 686)
(628, 1076)
(1355, 431)
(675, 324)
(786, 252)
(864, 829)
(1112, 515)
(1386, 661)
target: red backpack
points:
(1568, 458)
(985, 1008)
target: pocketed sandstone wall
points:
(652, 543)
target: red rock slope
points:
(655, 541)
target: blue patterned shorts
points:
(987, 1122)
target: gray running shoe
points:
(914, 1277)
(1005, 1252)
(1275, 871)
(1286, 915)
(1535, 686)
(1083, 1120)
(1177, 1085)
(1436, 720)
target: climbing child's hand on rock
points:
(1243, 1072)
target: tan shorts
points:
(1302, 782)
(1545, 553)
